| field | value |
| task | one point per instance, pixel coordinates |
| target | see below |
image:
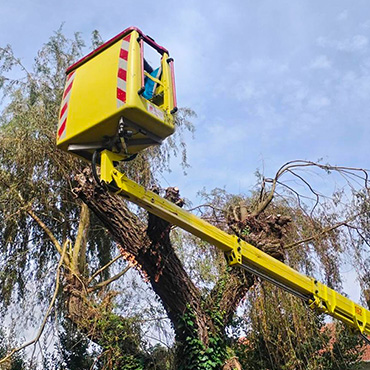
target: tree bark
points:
(149, 247)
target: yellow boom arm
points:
(240, 253)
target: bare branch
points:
(363, 238)
(325, 167)
(331, 228)
(290, 167)
(96, 273)
(109, 281)
(299, 196)
(310, 187)
(205, 205)
(264, 204)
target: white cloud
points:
(321, 62)
(342, 16)
(359, 42)
(247, 90)
(352, 44)
(318, 102)
(365, 25)
(296, 94)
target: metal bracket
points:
(321, 300)
(107, 160)
(234, 256)
(325, 301)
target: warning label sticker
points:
(155, 111)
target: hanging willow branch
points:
(51, 305)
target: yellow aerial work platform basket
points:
(114, 99)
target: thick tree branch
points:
(79, 248)
(267, 200)
(230, 291)
(155, 257)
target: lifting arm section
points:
(239, 253)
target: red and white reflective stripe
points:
(122, 71)
(64, 111)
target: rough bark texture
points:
(236, 287)
(149, 246)
(151, 249)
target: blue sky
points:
(270, 81)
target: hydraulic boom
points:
(239, 253)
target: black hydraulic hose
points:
(130, 158)
(365, 338)
(94, 161)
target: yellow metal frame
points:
(240, 253)
(93, 112)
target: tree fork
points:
(155, 256)
(152, 251)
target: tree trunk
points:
(199, 325)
